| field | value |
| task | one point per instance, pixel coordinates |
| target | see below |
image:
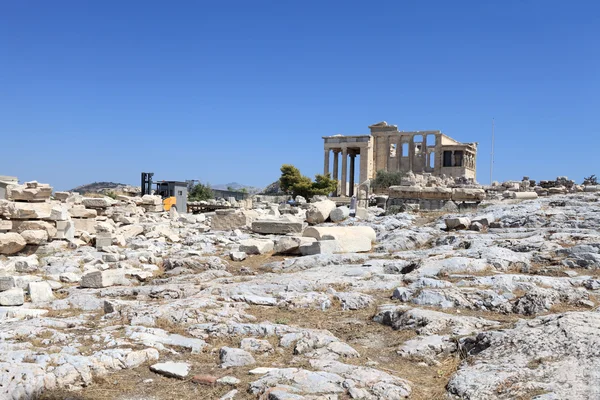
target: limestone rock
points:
(35, 237)
(291, 245)
(49, 227)
(256, 345)
(237, 255)
(11, 243)
(40, 292)
(277, 226)
(457, 223)
(171, 369)
(319, 212)
(339, 214)
(98, 202)
(101, 279)
(256, 246)
(350, 239)
(12, 297)
(231, 357)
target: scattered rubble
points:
(304, 300)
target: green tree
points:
(200, 192)
(590, 180)
(294, 183)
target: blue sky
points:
(230, 90)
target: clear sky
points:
(228, 91)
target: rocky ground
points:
(506, 311)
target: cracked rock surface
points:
(503, 312)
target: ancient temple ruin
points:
(389, 149)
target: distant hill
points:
(103, 187)
(235, 186)
(273, 189)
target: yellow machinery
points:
(173, 193)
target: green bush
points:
(200, 192)
(590, 180)
(385, 179)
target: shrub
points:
(385, 179)
(590, 180)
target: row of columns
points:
(344, 189)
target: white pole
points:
(492, 155)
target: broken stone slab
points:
(228, 380)
(26, 192)
(11, 243)
(49, 227)
(103, 239)
(319, 212)
(256, 246)
(350, 239)
(523, 195)
(229, 395)
(97, 202)
(339, 214)
(40, 292)
(468, 194)
(85, 224)
(65, 230)
(256, 345)
(5, 226)
(171, 369)
(6, 283)
(277, 227)
(43, 211)
(231, 357)
(457, 223)
(35, 237)
(228, 220)
(321, 247)
(102, 279)
(12, 297)
(62, 196)
(291, 245)
(237, 255)
(79, 211)
(151, 200)
(130, 231)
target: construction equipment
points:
(173, 193)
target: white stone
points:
(12, 297)
(11, 243)
(35, 237)
(350, 239)
(231, 357)
(40, 292)
(457, 223)
(320, 247)
(256, 246)
(319, 212)
(171, 369)
(237, 255)
(339, 214)
(101, 279)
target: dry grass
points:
(375, 343)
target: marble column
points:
(336, 175)
(352, 158)
(326, 166)
(343, 192)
